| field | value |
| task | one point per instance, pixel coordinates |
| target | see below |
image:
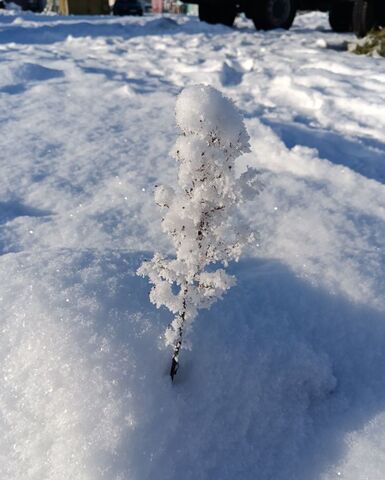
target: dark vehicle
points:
(358, 16)
(32, 5)
(367, 14)
(128, 7)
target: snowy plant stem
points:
(178, 342)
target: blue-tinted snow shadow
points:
(13, 209)
(52, 32)
(13, 89)
(363, 155)
(152, 83)
(268, 312)
(28, 74)
(278, 374)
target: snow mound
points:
(86, 392)
(16, 79)
(83, 380)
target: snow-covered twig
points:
(199, 217)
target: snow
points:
(286, 376)
(202, 111)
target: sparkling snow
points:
(286, 377)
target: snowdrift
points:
(280, 372)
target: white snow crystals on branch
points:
(200, 216)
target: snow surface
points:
(286, 377)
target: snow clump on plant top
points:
(203, 111)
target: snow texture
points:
(285, 380)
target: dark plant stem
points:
(175, 356)
(178, 345)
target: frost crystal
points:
(200, 216)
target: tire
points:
(211, 14)
(381, 14)
(268, 14)
(341, 16)
(364, 17)
(206, 13)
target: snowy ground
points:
(286, 376)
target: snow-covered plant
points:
(200, 216)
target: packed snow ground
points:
(285, 379)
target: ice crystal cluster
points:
(200, 215)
